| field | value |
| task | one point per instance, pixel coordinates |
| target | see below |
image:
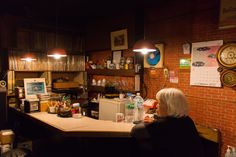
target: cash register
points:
(33, 87)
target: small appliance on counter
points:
(31, 105)
(32, 88)
(109, 107)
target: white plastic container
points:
(228, 152)
(233, 152)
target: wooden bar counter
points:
(84, 126)
(56, 136)
(80, 127)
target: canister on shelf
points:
(131, 66)
(130, 60)
(122, 63)
(108, 63)
(126, 66)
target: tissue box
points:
(6, 136)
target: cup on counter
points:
(77, 115)
(52, 109)
(120, 117)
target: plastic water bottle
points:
(139, 109)
(129, 109)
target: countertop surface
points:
(84, 126)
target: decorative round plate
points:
(153, 57)
(228, 78)
(226, 55)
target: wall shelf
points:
(110, 72)
(96, 88)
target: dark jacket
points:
(167, 137)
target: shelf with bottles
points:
(101, 89)
(112, 72)
(120, 84)
(93, 88)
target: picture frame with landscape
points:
(119, 40)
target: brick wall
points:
(174, 23)
(195, 21)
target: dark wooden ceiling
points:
(79, 9)
(72, 7)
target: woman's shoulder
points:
(140, 131)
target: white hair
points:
(173, 101)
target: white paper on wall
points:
(204, 64)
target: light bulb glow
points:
(144, 50)
(28, 59)
(57, 56)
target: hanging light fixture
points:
(29, 56)
(56, 52)
(144, 46)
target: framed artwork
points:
(119, 40)
(155, 59)
(227, 14)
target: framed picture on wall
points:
(227, 14)
(119, 40)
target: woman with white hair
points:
(173, 134)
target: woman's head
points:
(172, 102)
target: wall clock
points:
(226, 55)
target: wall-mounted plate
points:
(228, 78)
(226, 55)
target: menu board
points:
(204, 64)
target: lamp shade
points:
(144, 46)
(57, 53)
(28, 57)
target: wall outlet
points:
(166, 73)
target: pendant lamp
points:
(28, 57)
(56, 53)
(144, 46)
